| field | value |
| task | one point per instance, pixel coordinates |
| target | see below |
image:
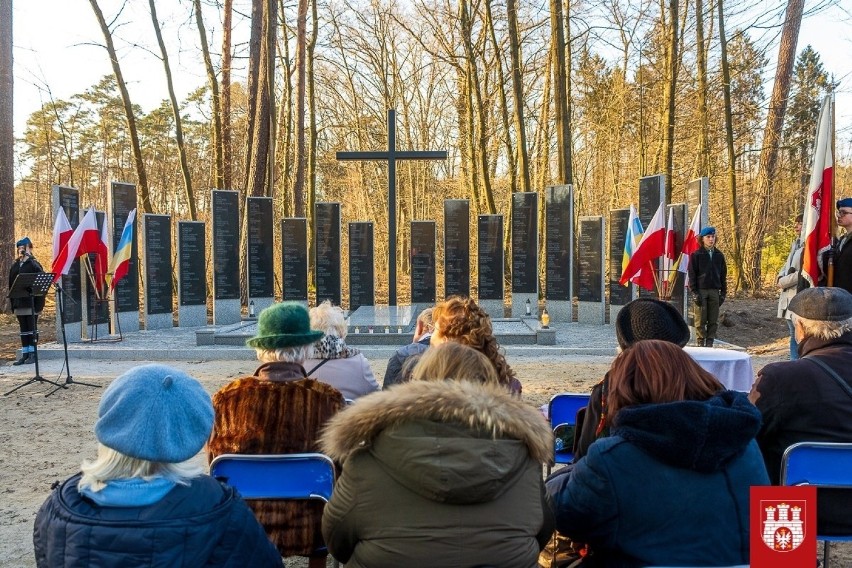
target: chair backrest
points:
(277, 476)
(826, 464)
(562, 409)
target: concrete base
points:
(192, 316)
(73, 331)
(393, 319)
(493, 308)
(126, 321)
(613, 312)
(260, 304)
(560, 311)
(93, 333)
(226, 311)
(158, 321)
(545, 336)
(591, 312)
(519, 305)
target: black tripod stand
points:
(32, 285)
(69, 380)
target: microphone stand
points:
(69, 380)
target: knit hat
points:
(822, 304)
(647, 318)
(155, 413)
(286, 324)
(845, 202)
(707, 231)
(25, 242)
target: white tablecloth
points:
(732, 368)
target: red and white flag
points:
(669, 266)
(62, 232)
(85, 239)
(690, 241)
(650, 248)
(816, 225)
(102, 260)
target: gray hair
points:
(821, 329)
(298, 354)
(329, 319)
(111, 464)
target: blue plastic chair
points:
(822, 464)
(562, 409)
(277, 476)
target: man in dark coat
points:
(708, 275)
(395, 372)
(843, 247)
(800, 401)
(26, 309)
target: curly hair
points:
(461, 320)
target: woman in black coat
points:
(26, 309)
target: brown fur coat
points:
(280, 415)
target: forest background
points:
(522, 94)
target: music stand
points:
(69, 380)
(32, 285)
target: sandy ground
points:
(44, 439)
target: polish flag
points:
(85, 239)
(819, 201)
(690, 241)
(651, 247)
(62, 232)
(669, 267)
(102, 259)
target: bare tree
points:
(141, 176)
(300, 159)
(7, 142)
(216, 102)
(771, 136)
(225, 109)
(561, 64)
(184, 165)
(518, 94)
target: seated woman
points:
(334, 362)
(441, 471)
(144, 501)
(461, 320)
(278, 410)
(679, 462)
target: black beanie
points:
(646, 318)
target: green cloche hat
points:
(286, 324)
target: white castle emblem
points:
(786, 531)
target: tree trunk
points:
(216, 103)
(312, 104)
(7, 142)
(184, 164)
(504, 105)
(560, 95)
(671, 90)
(702, 164)
(735, 266)
(518, 94)
(257, 167)
(771, 136)
(142, 178)
(300, 159)
(225, 108)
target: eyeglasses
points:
(842, 213)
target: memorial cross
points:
(391, 156)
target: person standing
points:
(708, 274)
(26, 311)
(788, 282)
(843, 249)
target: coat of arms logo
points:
(783, 524)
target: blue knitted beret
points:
(155, 413)
(707, 231)
(845, 202)
(25, 242)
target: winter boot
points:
(699, 342)
(22, 360)
(708, 343)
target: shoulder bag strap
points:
(320, 364)
(831, 373)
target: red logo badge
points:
(783, 526)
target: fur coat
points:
(277, 411)
(444, 473)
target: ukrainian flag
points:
(121, 258)
(634, 236)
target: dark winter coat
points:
(202, 524)
(669, 487)
(29, 266)
(706, 273)
(443, 474)
(843, 266)
(277, 411)
(395, 368)
(800, 402)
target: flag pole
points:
(832, 222)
